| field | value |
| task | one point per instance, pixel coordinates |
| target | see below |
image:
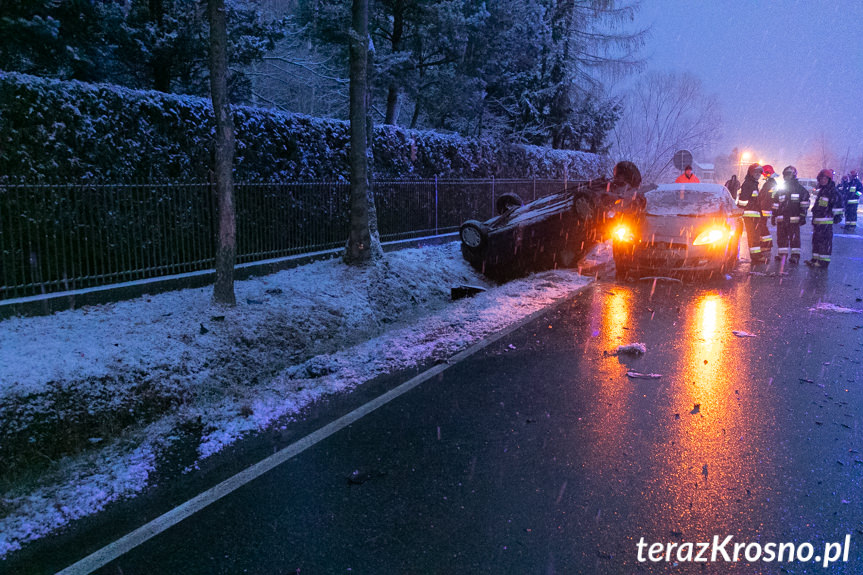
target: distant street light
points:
(744, 158)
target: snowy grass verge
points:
(103, 399)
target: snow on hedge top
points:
(70, 129)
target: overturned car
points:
(553, 231)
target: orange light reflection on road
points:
(615, 318)
(614, 398)
(710, 375)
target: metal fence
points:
(63, 237)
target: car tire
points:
(507, 201)
(731, 261)
(473, 235)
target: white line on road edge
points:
(128, 542)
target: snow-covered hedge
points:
(72, 130)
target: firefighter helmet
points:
(768, 170)
(825, 173)
(790, 172)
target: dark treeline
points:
(524, 70)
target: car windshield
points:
(688, 202)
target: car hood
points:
(677, 229)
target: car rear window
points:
(688, 202)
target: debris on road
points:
(741, 333)
(463, 291)
(630, 349)
(638, 375)
(662, 278)
(696, 408)
(834, 308)
(358, 477)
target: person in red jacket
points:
(687, 177)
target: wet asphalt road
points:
(539, 455)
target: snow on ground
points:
(294, 337)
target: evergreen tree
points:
(57, 38)
(150, 44)
(162, 44)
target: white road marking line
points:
(131, 540)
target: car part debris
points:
(834, 308)
(740, 333)
(464, 291)
(630, 349)
(639, 375)
(358, 477)
(661, 278)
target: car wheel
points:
(473, 234)
(731, 261)
(729, 264)
(506, 202)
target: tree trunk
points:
(392, 116)
(416, 115)
(226, 251)
(362, 245)
(393, 90)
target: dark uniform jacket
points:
(765, 197)
(748, 198)
(827, 206)
(791, 203)
(855, 189)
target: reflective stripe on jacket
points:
(827, 204)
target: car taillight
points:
(711, 236)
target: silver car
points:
(684, 228)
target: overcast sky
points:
(785, 71)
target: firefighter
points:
(852, 200)
(765, 203)
(791, 203)
(748, 200)
(826, 210)
(842, 190)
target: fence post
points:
(435, 205)
(534, 187)
(492, 197)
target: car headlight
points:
(711, 236)
(623, 234)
